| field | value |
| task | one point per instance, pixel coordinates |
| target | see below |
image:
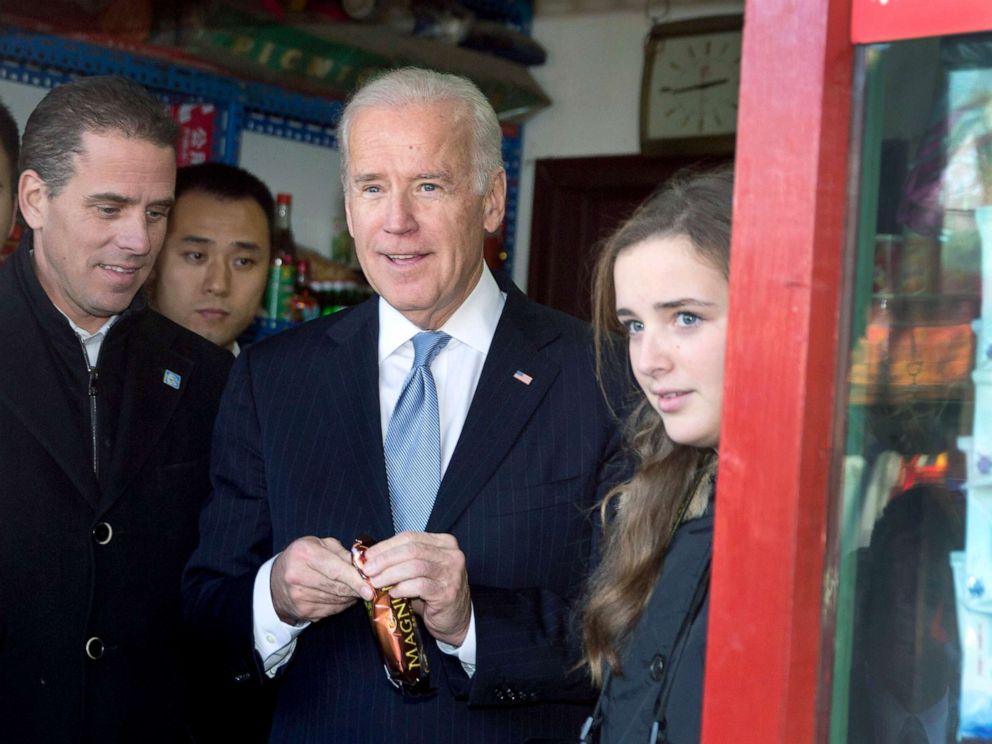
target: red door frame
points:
(768, 613)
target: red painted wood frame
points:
(776, 446)
(889, 20)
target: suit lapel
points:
(32, 389)
(155, 380)
(501, 407)
(353, 358)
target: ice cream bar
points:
(395, 628)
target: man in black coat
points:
(106, 411)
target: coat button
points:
(657, 667)
(94, 648)
(103, 533)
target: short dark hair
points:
(225, 182)
(10, 142)
(96, 105)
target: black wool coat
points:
(91, 641)
(679, 604)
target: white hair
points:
(415, 86)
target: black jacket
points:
(86, 556)
(655, 663)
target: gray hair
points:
(95, 105)
(415, 86)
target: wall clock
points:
(689, 87)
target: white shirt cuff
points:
(466, 652)
(275, 640)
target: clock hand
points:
(687, 88)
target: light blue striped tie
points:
(413, 439)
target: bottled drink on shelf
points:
(280, 289)
(282, 271)
(283, 244)
(304, 304)
(337, 295)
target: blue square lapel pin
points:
(172, 379)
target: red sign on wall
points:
(890, 20)
(196, 132)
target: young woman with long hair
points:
(661, 281)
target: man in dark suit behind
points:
(105, 419)
(527, 445)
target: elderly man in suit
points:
(451, 418)
(105, 420)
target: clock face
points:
(693, 86)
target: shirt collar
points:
(85, 335)
(473, 323)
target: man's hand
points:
(312, 579)
(429, 568)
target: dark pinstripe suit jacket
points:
(298, 451)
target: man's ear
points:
(32, 197)
(347, 215)
(494, 204)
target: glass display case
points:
(912, 645)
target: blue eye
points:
(687, 320)
(632, 326)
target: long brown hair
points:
(640, 515)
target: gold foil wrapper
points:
(395, 628)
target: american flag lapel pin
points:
(171, 379)
(521, 376)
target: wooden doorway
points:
(577, 203)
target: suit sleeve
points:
(529, 640)
(235, 534)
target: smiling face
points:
(211, 274)
(674, 307)
(96, 241)
(417, 220)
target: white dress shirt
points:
(92, 341)
(456, 370)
